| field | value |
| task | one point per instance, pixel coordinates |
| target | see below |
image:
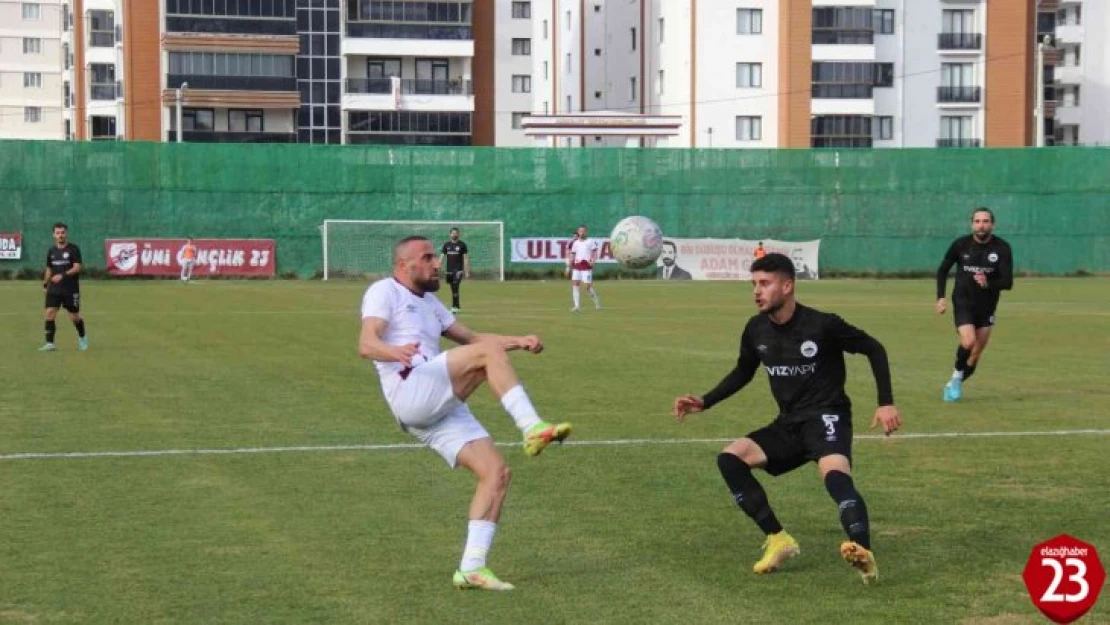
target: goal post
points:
(361, 248)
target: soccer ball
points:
(636, 242)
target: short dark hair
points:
(775, 263)
(983, 209)
(405, 241)
(454, 229)
(58, 224)
(670, 243)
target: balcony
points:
(379, 30)
(233, 83)
(959, 95)
(104, 91)
(410, 86)
(230, 26)
(102, 38)
(356, 138)
(960, 41)
(847, 91)
(208, 136)
(959, 143)
(841, 142)
(842, 36)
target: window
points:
(884, 128)
(1076, 90)
(568, 20)
(632, 31)
(844, 25)
(958, 21)
(956, 127)
(545, 70)
(749, 75)
(568, 62)
(32, 45)
(957, 74)
(32, 80)
(597, 95)
(1078, 21)
(32, 114)
(632, 90)
(1075, 56)
(203, 120)
(545, 30)
(597, 51)
(848, 79)
(662, 30)
(570, 103)
(522, 83)
(32, 11)
(883, 21)
(381, 68)
(245, 121)
(234, 64)
(661, 82)
(518, 120)
(522, 10)
(522, 47)
(102, 29)
(102, 127)
(841, 131)
(102, 81)
(749, 21)
(749, 128)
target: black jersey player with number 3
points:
(62, 283)
(802, 350)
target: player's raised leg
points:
(487, 361)
(736, 463)
(836, 473)
(483, 459)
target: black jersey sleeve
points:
(950, 258)
(462, 248)
(75, 255)
(1003, 279)
(852, 340)
(736, 379)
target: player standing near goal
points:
(582, 253)
(426, 390)
(802, 350)
(984, 268)
(457, 259)
(62, 283)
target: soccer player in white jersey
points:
(426, 390)
(581, 256)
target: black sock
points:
(455, 294)
(747, 492)
(961, 358)
(969, 371)
(853, 512)
(51, 327)
(80, 325)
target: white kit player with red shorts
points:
(581, 256)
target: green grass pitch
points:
(621, 533)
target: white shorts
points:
(582, 275)
(425, 406)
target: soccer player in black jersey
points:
(457, 259)
(62, 283)
(984, 268)
(802, 350)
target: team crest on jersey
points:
(809, 349)
(762, 349)
(992, 257)
(65, 255)
(410, 308)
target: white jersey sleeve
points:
(446, 319)
(378, 301)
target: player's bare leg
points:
(836, 473)
(982, 338)
(576, 296)
(953, 390)
(471, 365)
(50, 327)
(736, 463)
(593, 295)
(487, 464)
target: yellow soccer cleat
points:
(777, 549)
(862, 559)
(543, 434)
(479, 579)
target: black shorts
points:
(790, 443)
(980, 315)
(70, 300)
(455, 277)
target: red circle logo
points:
(1064, 577)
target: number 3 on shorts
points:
(830, 423)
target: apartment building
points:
(1080, 84)
(32, 88)
(796, 73)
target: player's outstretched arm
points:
(946, 265)
(372, 347)
(463, 335)
(855, 341)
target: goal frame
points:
(414, 222)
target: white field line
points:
(621, 442)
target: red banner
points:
(215, 257)
(11, 245)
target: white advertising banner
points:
(685, 259)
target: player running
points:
(582, 254)
(802, 350)
(457, 259)
(985, 268)
(62, 283)
(188, 258)
(426, 390)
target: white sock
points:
(957, 375)
(576, 294)
(518, 405)
(479, 537)
(594, 297)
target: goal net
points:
(360, 248)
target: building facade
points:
(32, 61)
